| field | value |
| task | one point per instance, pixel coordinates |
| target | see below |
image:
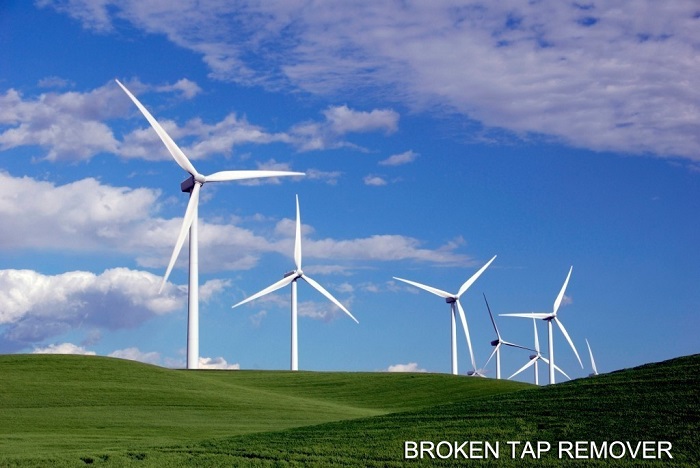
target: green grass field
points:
(86, 410)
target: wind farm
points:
(419, 139)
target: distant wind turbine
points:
(536, 357)
(549, 318)
(453, 299)
(291, 278)
(498, 342)
(193, 185)
(595, 370)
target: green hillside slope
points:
(64, 409)
(655, 402)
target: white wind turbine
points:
(590, 353)
(291, 278)
(453, 299)
(549, 318)
(193, 185)
(498, 342)
(536, 357)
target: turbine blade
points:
(546, 361)
(561, 372)
(537, 339)
(534, 315)
(430, 289)
(568, 338)
(595, 370)
(190, 213)
(224, 176)
(560, 297)
(297, 239)
(495, 350)
(492, 320)
(463, 318)
(274, 287)
(474, 277)
(330, 297)
(174, 150)
(513, 345)
(528, 364)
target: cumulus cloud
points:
(89, 216)
(135, 354)
(63, 348)
(34, 306)
(410, 367)
(605, 76)
(217, 363)
(374, 180)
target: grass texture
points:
(86, 410)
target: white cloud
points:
(63, 348)
(340, 121)
(374, 180)
(399, 159)
(34, 307)
(607, 76)
(410, 367)
(88, 216)
(135, 354)
(217, 363)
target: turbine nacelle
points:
(188, 184)
(450, 300)
(495, 342)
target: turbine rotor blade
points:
(274, 287)
(528, 364)
(492, 320)
(560, 297)
(190, 213)
(174, 150)
(224, 176)
(495, 350)
(592, 360)
(513, 345)
(463, 318)
(297, 239)
(568, 338)
(537, 339)
(535, 315)
(328, 295)
(474, 277)
(556, 368)
(430, 289)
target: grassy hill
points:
(74, 410)
(69, 408)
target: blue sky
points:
(433, 137)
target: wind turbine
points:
(453, 299)
(291, 278)
(536, 357)
(498, 342)
(193, 185)
(549, 318)
(595, 370)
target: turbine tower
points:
(590, 353)
(453, 299)
(193, 185)
(536, 357)
(291, 278)
(549, 318)
(498, 342)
